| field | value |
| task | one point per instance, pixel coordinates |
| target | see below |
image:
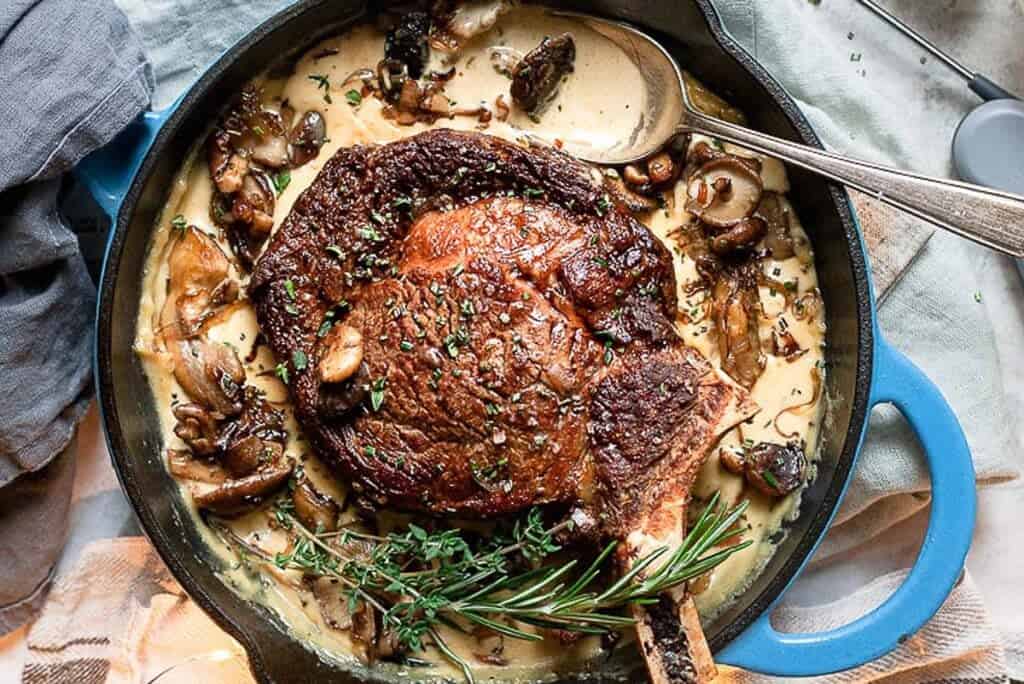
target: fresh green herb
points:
(533, 192)
(770, 479)
(603, 205)
(354, 97)
(289, 287)
(291, 309)
(458, 269)
(370, 233)
(504, 318)
(418, 581)
(179, 223)
(281, 180)
(322, 83)
(405, 345)
(281, 371)
(299, 359)
(335, 250)
(467, 308)
(377, 393)
(402, 202)
(325, 327)
(491, 168)
(977, 297)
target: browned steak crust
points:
(518, 344)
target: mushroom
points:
(210, 374)
(406, 42)
(740, 236)
(536, 77)
(315, 510)
(254, 204)
(777, 238)
(227, 167)
(775, 469)
(198, 283)
(329, 595)
(182, 464)
(471, 18)
(786, 346)
(504, 59)
(307, 137)
(197, 427)
(249, 454)
(632, 200)
(733, 459)
(342, 354)
(724, 191)
(235, 496)
(661, 169)
(735, 306)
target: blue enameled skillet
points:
(131, 177)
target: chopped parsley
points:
(377, 393)
(322, 83)
(405, 345)
(533, 192)
(281, 371)
(179, 223)
(603, 205)
(281, 180)
(289, 287)
(370, 233)
(770, 479)
(354, 98)
(299, 359)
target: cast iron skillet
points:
(130, 179)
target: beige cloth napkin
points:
(119, 618)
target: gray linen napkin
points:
(71, 76)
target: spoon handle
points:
(989, 217)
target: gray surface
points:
(59, 99)
(988, 148)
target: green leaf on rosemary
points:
(419, 581)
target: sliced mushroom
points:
(661, 169)
(210, 374)
(775, 469)
(633, 201)
(777, 239)
(227, 167)
(786, 346)
(198, 283)
(740, 236)
(406, 42)
(733, 459)
(536, 77)
(249, 454)
(254, 204)
(473, 17)
(271, 150)
(315, 510)
(364, 629)
(307, 137)
(724, 191)
(235, 496)
(735, 310)
(504, 59)
(330, 596)
(342, 353)
(184, 465)
(197, 426)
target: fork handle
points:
(989, 217)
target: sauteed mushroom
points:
(315, 510)
(536, 77)
(742, 235)
(724, 191)
(210, 374)
(199, 282)
(307, 137)
(777, 239)
(775, 469)
(735, 311)
(343, 352)
(235, 496)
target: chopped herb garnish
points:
(291, 309)
(770, 479)
(281, 371)
(335, 250)
(458, 269)
(504, 318)
(354, 98)
(179, 223)
(322, 83)
(370, 233)
(401, 202)
(289, 287)
(377, 393)
(405, 345)
(299, 359)
(491, 168)
(603, 205)
(281, 180)
(325, 327)
(467, 308)
(977, 297)
(533, 192)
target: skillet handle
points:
(108, 172)
(939, 562)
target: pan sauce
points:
(586, 106)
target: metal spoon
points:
(989, 217)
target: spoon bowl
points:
(992, 218)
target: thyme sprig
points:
(419, 581)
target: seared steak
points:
(517, 335)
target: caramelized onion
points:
(815, 394)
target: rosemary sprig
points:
(419, 581)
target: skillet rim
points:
(256, 646)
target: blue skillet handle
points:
(108, 172)
(939, 563)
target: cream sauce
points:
(586, 107)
